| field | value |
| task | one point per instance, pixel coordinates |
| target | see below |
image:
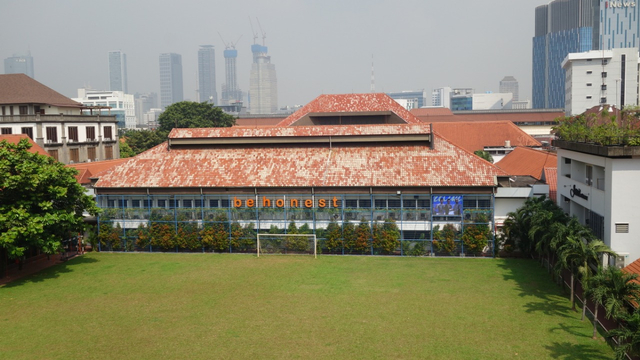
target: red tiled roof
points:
(523, 161)
(551, 178)
(633, 268)
(21, 89)
(95, 169)
(15, 138)
(516, 117)
(475, 136)
(269, 121)
(351, 103)
(425, 112)
(304, 165)
(295, 131)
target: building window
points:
(123, 203)
(589, 97)
(11, 110)
(111, 203)
(4, 111)
(91, 154)
(162, 203)
(214, 203)
(135, 203)
(24, 110)
(146, 203)
(74, 155)
(589, 72)
(186, 203)
(588, 84)
(107, 133)
(108, 152)
(5, 131)
(73, 133)
(52, 134)
(28, 131)
(91, 133)
(604, 74)
(603, 87)
(53, 154)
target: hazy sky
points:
(317, 46)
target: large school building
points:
(339, 163)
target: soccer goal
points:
(288, 244)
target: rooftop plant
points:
(603, 127)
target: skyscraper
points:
(230, 91)
(170, 79)
(118, 71)
(207, 74)
(573, 26)
(509, 84)
(19, 65)
(263, 86)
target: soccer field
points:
(212, 306)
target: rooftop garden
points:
(605, 127)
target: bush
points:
(386, 237)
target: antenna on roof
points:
(373, 79)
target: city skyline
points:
(329, 52)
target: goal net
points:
(293, 244)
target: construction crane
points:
(264, 35)
(255, 34)
(229, 45)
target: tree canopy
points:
(137, 141)
(191, 114)
(41, 203)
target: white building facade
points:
(122, 105)
(600, 77)
(598, 185)
(441, 97)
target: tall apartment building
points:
(574, 26)
(118, 71)
(230, 92)
(19, 65)
(509, 84)
(170, 79)
(601, 77)
(263, 85)
(143, 104)
(441, 97)
(207, 74)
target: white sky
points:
(317, 46)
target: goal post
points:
(296, 244)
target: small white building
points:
(600, 77)
(598, 185)
(122, 105)
(492, 101)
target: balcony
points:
(56, 118)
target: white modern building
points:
(491, 101)
(410, 99)
(598, 185)
(110, 103)
(263, 85)
(441, 97)
(600, 77)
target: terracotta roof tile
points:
(516, 117)
(304, 165)
(425, 112)
(551, 178)
(15, 138)
(523, 161)
(633, 268)
(89, 170)
(475, 136)
(351, 103)
(270, 121)
(292, 131)
(21, 89)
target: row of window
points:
(52, 133)
(74, 154)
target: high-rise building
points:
(170, 79)
(19, 65)
(263, 86)
(207, 74)
(410, 99)
(601, 77)
(574, 26)
(441, 97)
(143, 104)
(230, 92)
(509, 84)
(118, 71)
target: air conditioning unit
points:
(70, 140)
(49, 141)
(621, 260)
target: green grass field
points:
(205, 306)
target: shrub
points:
(386, 237)
(444, 240)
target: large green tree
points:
(190, 114)
(41, 203)
(138, 141)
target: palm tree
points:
(577, 248)
(627, 336)
(596, 290)
(620, 292)
(545, 215)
